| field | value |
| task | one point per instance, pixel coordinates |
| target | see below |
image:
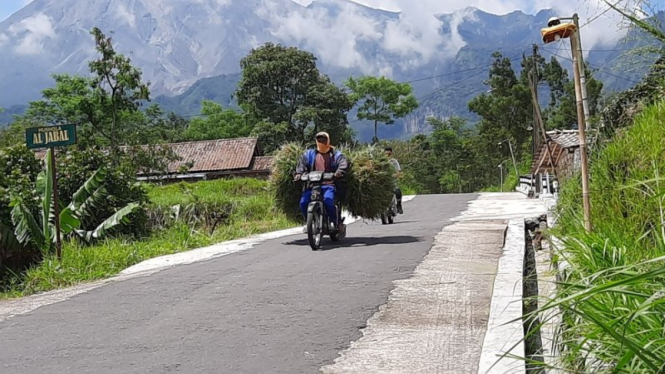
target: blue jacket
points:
(337, 158)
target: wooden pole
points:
(541, 124)
(581, 118)
(56, 205)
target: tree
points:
(276, 82)
(104, 106)
(506, 110)
(561, 112)
(381, 100)
(218, 123)
(284, 93)
(117, 88)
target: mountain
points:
(190, 50)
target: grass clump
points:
(612, 301)
(368, 185)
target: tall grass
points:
(612, 301)
(252, 212)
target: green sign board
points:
(50, 136)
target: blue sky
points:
(7, 7)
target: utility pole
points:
(501, 175)
(580, 62)
(582, 125)
(534, 81)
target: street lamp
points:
(556, 31)
(512, 155)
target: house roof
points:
(214, 155)
(209, 155)
(565, 139)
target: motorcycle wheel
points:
(384, 219)
(391, 219)
(314, 230)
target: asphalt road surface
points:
(276, 308)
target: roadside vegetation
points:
(610, 299)
(179, 217)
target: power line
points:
(604, 70)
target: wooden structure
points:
(559, 161)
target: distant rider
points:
(328, 160)
(398, 171)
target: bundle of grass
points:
(287, 192)
(370, 183)
(367, 189)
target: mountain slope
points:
(190, 50)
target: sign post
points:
(51, 137)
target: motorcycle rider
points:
(328, 160)
(398, 170)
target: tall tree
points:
(105, 105)
(507, 109)
(381, 100)
(282, 86)
(276, 81)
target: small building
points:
(210, 159)
(556, 163)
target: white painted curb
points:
(506, 306)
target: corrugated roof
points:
(262, 163)
(565, 138)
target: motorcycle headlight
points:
(315, 177)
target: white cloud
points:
(32, 32)
(416, 35)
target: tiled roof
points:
(214, 155)
(209, 155)
(262, 163)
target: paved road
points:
(277, 308)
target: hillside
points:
(191, 51)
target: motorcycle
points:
(318, 223)
(388, 217)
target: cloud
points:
(416, 35)
(32, 31)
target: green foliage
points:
(282, 88)
(610, 301)
(621, 111)
(75, 167)
(218, 123)
(86, 200)
(18, 174)
(381, 100)
(251, 212)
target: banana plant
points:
(88, 197)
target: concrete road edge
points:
(504, 337)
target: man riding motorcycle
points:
(326, 159)
(398, 170)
